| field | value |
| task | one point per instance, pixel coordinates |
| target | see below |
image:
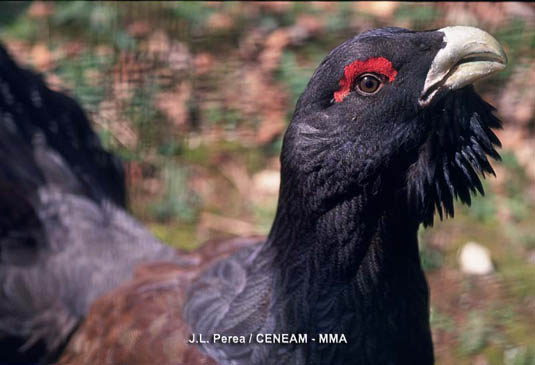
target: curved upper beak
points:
(469, 55)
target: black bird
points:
(65, 238)
(388, 131)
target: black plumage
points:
(64, 236)
(387, 131)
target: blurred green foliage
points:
(178, 201)
(475, 334)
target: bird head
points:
(393, 112)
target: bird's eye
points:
(369, 84)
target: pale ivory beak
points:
(469, 55)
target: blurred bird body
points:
(386, 133)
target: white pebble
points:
(475, 259)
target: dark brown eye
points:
(368, 84)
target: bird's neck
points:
(353, 268)
(336, 240)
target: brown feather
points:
(141, 322)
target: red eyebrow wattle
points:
(379, 65)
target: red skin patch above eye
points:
(378, 65)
